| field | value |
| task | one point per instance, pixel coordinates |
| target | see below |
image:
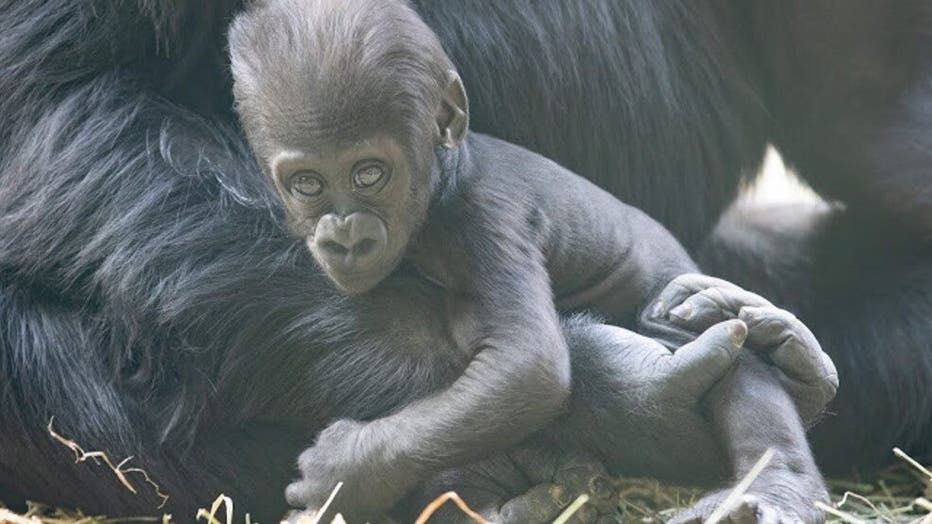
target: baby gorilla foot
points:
(575, 476)
(545, 502)
(778, 496)
(784, 492)
(750, 509)
(545, 484)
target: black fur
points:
(150, 300)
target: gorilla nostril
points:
(334, 248)
(364, 247)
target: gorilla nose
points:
(349, 248)
(354, 243)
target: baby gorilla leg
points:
(753, 413)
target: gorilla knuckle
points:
(714, 295)
(830, 385)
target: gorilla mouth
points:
(357, 282)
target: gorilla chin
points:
(357, 283)
(356, 279)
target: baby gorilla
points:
(359, 119)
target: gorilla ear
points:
(453, 116)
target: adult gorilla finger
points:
(712, 305)
(662, 331)
(697, 366)
(681, 288)
(677, 313)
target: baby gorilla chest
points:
(425, 354)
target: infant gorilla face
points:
(356, 205)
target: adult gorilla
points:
(149, 300)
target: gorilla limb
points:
(841, 273)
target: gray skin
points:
(512, 238)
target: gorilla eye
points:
(306, 183)
(368, 176)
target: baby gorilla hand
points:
(348, 452)
(691, 303)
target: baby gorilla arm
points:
(603, 255)
(500, 310)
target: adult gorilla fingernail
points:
(748, 313)
(659, 308)
(683, 311)
(738, 333)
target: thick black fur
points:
(150, 300)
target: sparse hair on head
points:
(335, 70)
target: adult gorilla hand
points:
(691, 303)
